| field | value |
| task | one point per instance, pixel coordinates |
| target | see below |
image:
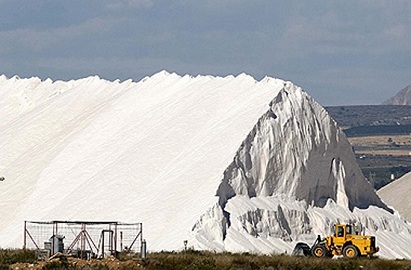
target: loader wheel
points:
(319, 251)
(350, 251)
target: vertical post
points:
(121, 241)
(25, 232)
(102, 244)
(110, 243)
(143, 250)
(83, 240)
(115, 240)
(57, 232)
(53, 238)
(141, 235)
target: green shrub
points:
(4, 266)
(11, 256)
(205, 260)
(53, 265)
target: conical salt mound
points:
(297, 150)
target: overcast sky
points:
(341, 52)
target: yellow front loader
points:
(345, 241)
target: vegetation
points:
(201, 260)
(230, 261)
(380, 136)
(370, 115)
(377, 130)
(11, 256)
(381, 176)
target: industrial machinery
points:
(346, 240)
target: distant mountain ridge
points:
(401, 98)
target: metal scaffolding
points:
(84, 239)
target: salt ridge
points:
(227, 163)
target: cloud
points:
(316, 44)
(126, 4)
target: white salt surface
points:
(397, 195)
(226, 163)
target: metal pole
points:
(143, 250)
(102, 244)
(141, 231)
(121, 241)
(53, 238)
(25, 230)
(115, 240)
(83, 239)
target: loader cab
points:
(342, 230)
(341, 233)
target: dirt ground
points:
(393, 145)
(383, 152)
(401, 140)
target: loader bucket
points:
(301, 249)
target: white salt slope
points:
(397, 195)
(158, 151)
(144, 150)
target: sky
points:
(352, 52)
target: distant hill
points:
(380, 138)
(401, 98)
(370, 115)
